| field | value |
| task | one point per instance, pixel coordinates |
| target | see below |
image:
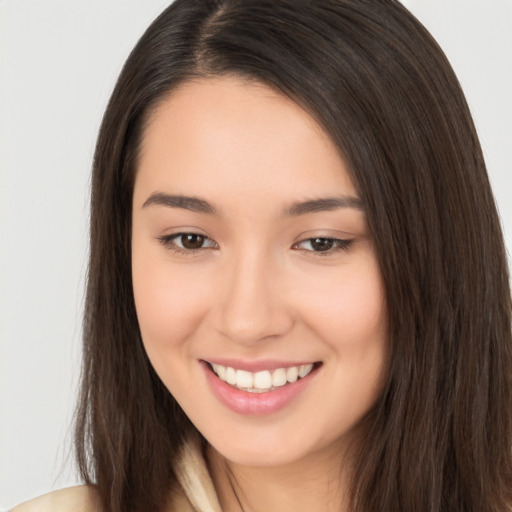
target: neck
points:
(318, 483)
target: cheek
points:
(170, 303)
(350, 316)
(348, 309)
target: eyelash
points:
(334, 244)
(169, 241)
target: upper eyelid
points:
(304, 237)
(182, 232)
(170, 237)
(331, 238)
(340, 244)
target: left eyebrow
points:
(324, 205)
(194, 204)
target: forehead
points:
(240, 135)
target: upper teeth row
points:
(263, 380)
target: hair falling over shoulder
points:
(439, 437)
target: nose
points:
(252, 304)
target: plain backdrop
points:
(58, 63)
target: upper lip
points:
(257, 366)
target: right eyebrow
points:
(325, 204)
(191, 203)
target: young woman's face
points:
(257, 289)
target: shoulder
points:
(195, 491)
(81, 498)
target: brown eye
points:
(192, 241)
(187, 242)
(322, 244)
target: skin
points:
(257, 288)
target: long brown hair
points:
(439, 437)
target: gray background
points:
(58, 63)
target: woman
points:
(297, 292)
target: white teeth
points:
(305, 369)
(265, 380)
(244, 379)
(279, 377)
(221, 371)
(230, 376)
(292, 373)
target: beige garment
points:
(72, 499)
(197, 493)
(195, 480)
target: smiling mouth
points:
(262, 381)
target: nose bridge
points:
(252, 307)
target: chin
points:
(276, 449)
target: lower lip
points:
(244, 402)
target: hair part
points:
(380, 86)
